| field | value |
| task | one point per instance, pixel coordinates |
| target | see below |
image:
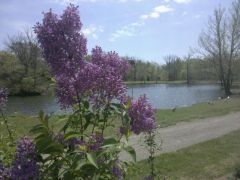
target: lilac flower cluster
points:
(3, 98)
(109, 80)
(117, 172)
(95, 142)
(142, 116)
(25, 165)
(70, 142)
(64, 47)
(5, 173)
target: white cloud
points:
(157, 11)
(131, 29)
(137, 24)
(182, 1)
(92, 31)
(144, 16)
(197, 16)
(184, 13)
(154, 15)
(179, 1)
(126, 31)
(162, 9)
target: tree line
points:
(189, 70)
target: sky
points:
(145, 29)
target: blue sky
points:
(146, 29)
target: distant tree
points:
(173, 67)
(27, 50)
(220, 42)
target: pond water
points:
(162, 96)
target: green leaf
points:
(86, 104)
(38, 129)
(53, 148)
(109, 142)
(71, 135)
(41, 115)
(132, 152)
(92, 159)
(42, 143)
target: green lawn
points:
(198, 111)
(208, 160)
(153, 82)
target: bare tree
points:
(26, 49)
(173, 64)
(220, 42)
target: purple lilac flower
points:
(70, 142)
(63, 45)
(112, 68)
(25, 166)
(142, 116)
(117, 172)
(3, 98)
(81, 84)
(64, 48)
(4, 172)
(149, 178)
(95, 142)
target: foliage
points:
(18, 83)
(95, 92)
(152, 147)
(174, 69)
(236, 174)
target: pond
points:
(162, 96)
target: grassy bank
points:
(207, 160)
(169, 82)
(198, 111)
(153, 82)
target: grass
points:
(153, 82)
(170, 82)
(198, 111)
(208, 160)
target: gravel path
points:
(186, 134)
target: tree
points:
(28, 53)
(220, 42)
(173, 66)
(27, 50)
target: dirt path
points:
(188, 133)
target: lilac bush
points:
(93, 88)
(25, 163)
